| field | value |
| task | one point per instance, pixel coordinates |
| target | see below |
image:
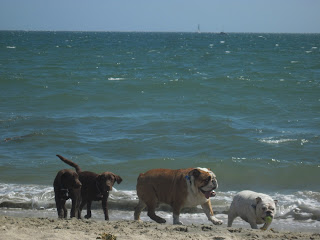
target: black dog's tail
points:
(69, 162)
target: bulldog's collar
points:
(188, 179)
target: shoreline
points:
(46, 228)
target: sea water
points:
(245, 105)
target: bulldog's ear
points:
(276, 202)
(195, 172)
(258, 200)
(118, 179)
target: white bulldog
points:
(254, 208)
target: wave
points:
(277, 141)
(115, 78)
(301, 205)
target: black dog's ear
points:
(118, 179)
(99, 178)
(195, 172)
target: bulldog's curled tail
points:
(69, 162)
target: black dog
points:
(67, 185)
(95, 187)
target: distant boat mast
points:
(198, 28)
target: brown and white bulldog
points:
(178, 188)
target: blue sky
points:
(288, 16)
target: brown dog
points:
(95, 187)
(178, 188)
(67, 185)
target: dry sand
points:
(12, 228)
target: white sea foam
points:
(115, 79)
(12, 47)
(295, 211)
(277, 141)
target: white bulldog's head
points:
(205, 181)
(265, 207)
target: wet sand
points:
(14, 228)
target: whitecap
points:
(222, 41)
(277, 141)
(303, 141)
(115, 79)
(12, 47)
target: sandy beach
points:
(15, 228)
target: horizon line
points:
(116, 31)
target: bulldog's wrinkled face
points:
(106, 180)
(205, 181)
(265, 207)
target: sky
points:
(261, 16)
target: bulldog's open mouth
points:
(208, 194)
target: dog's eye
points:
(271, 209)
(264, 208)
(207, 180)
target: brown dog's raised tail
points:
(69, 162)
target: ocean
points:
(244, 105)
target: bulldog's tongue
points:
(209, 194)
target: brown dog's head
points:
(106, 180)
(204, 180)
(70, 179)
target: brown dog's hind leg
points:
(83, 203)
(65, 211)
(88, 210)
(137, 210)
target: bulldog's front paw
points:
(216, 221)
(177, 223)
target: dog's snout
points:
(215, 183)
(269, 213)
